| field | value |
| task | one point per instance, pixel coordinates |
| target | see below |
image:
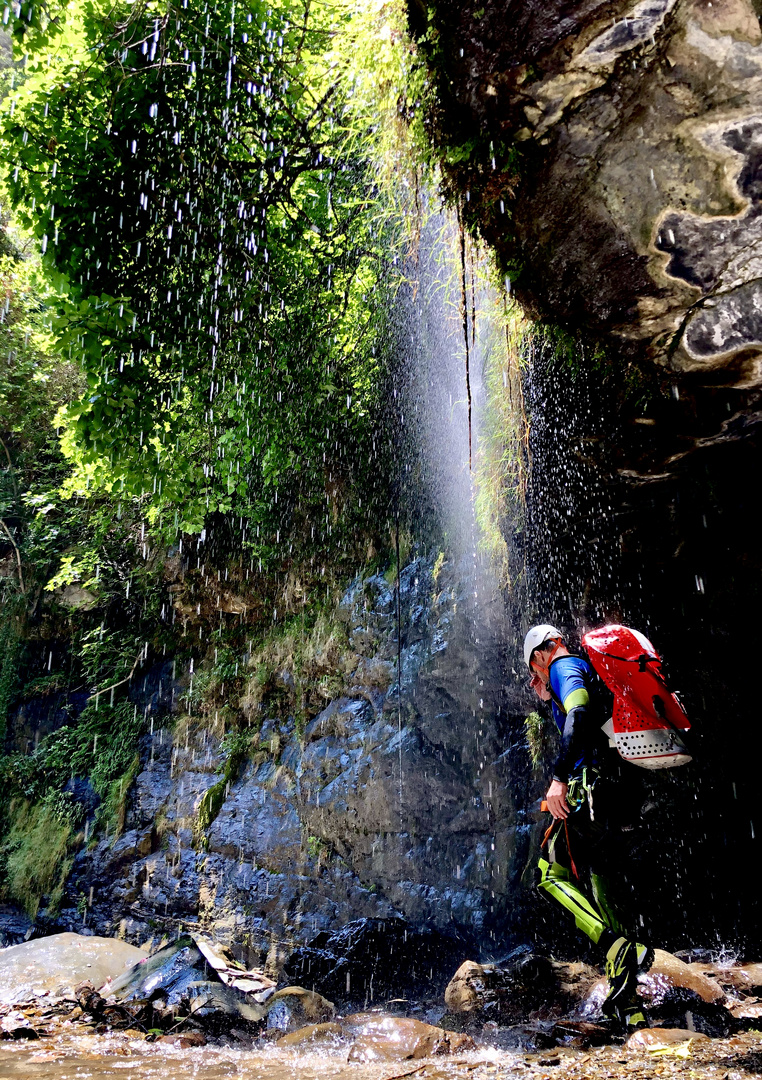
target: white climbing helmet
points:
(536, 636)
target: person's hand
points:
(556, 799)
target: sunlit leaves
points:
(190, 172)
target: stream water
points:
(91, 1057)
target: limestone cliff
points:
(617, 165)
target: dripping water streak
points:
(464, 303)
(399, 646)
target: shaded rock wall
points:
(379, 808)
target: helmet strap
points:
(544, 671)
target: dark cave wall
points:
(678, 557)
(611, 155)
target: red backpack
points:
(648, 720)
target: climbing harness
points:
(579, 791)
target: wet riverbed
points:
(86, 1056)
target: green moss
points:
(35, 856)
(406, 544)
(10, 649)
(237, 745)
(534, 727)
(100, 745)
(501, 465)
(298, 668)
(114, 809)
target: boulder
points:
(294, 1007)
(313, 1033)
(512, 991)
(53, 966)
(158, 974)
(471, 987)
(194, 975)
(208, 998)
(661, 1038)
(391, 1038)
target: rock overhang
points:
(630, 189)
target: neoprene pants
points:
(579, 856)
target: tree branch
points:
(5, 448)
(7, 532)
(121, 682)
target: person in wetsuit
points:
(586, 841)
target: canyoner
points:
(595, 808)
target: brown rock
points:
(184, 1041)
(389, 1038)
(661, 1038)
(575, 980)
(741, 977)
(512, 992)
(746, 1010)
(752, 973)
(313, 1033)
(303, 1007)
(88, 998)
(581, 1033)
(471, 987)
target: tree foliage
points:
(224, 272)
(198, 337)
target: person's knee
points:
(550, 874)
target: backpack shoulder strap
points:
(556, 699)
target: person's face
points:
(538, 666)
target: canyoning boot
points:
(625, 960)
(634, 1019)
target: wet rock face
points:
(380, 810)
(634, 209)
(375, 959)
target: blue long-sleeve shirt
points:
(570, 680)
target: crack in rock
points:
(722, 255)
(635, 28)
(590, 68)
